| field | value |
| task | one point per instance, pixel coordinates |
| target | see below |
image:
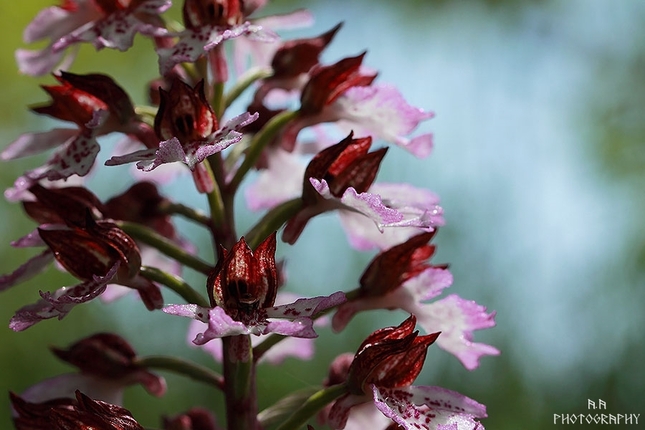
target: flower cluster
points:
(129, 242)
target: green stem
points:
(175, 283)
(260, 140)
(245, 81)
(239, 383)
(272, 221)
(312, 406)
(218, 100)
(262, 348)
(182, 367)
(187, 212)
(216, 205)
(166, 246)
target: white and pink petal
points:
(340, 410)
(424, 407)
(31, 239)
(306, 307)
(75, 157)
(382, 111)
(54, 22)
(279, 182)
(219, 323)
(118, 29)
(194, 43)
(419, 209)
(35, 143)
(61, 302)
(297, 327)
(367, 204)
(457, 318)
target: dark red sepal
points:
(346, 164)
(95, 414)
(298, 56)
(244, 280)
(327, 83)
(36, 416)
(68, 205)
(393, 267)
(184, 113)
(141, 203)
(103, 354)
(93, 250)
(81, 413)
(198, 13)
(105, 89)
(390, 357)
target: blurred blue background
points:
(539, 161)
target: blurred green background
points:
(540, 164)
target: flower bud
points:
(244, 280)
(198, 13)
(68, 205)
(109, 356)
(390, 357)
(184, 113)
(393, 267)
(327, 83)
(79, 96)
(92, 250)
(82, 413)
(299, 56)
(346, 164)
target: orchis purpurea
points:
(242, 290)
(98, 106)
(401, 278)
(82, 412)
(382, 372)
(103, 23)
(283, 151)
(189, 126)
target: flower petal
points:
(31, 268)
(382, 111)
(339, 412)
(219, 323)
(297, 347)
(194, 43)
(195, 312)
(61, 302)
(64, 386)
(38, 62)
(54, 22)
(366, 203)
(306, 307)
(35, 143)
(30, 240)
(419, 207)
(169, 151)
(423, 407)
(116, 30)
(299, 327)
(279, 182)
(76, 157)
(457, 318)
